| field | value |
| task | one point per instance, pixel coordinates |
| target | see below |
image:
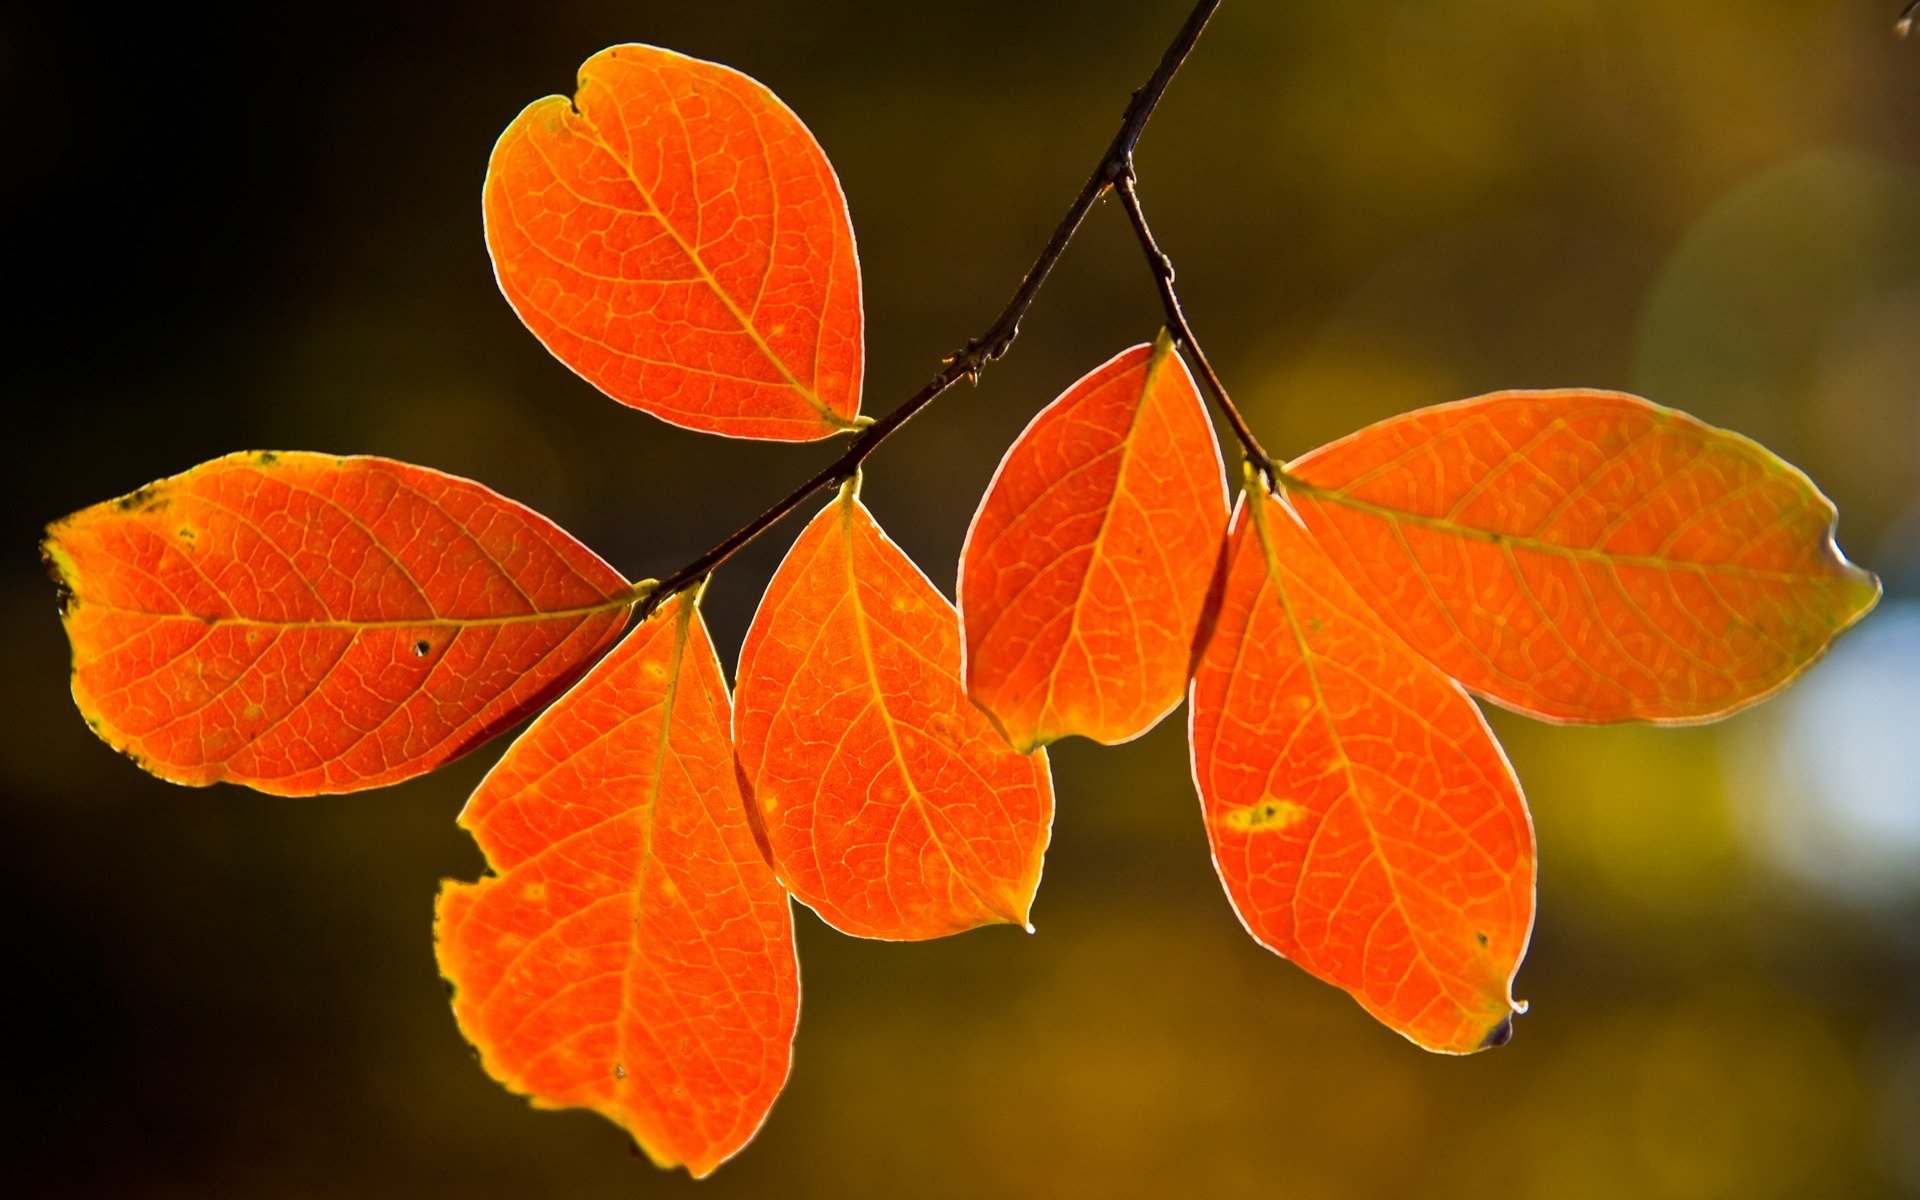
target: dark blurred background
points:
(263, 231)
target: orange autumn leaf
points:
(301, 623)
(1586, 556)
(1086, 567)
(677, 237)
(892, 806)
(634, 953)
(1363, 820)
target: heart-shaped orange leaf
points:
(1086, 568)
(634, 955)
(301, 623)
(1364, 821)
(893, 807)
(1586, 556)
(676, 236)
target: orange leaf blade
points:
(676, 236)
(1586, 556)
(301, 623)
(1363, 820)
(1086, 567)
(892, 806)
(634, 954)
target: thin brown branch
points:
(1177, 324)
(1904, 25)
(966, 362)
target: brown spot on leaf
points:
(63, 596)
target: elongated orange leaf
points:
(893, 807)
(676, 236)
(634, 954)
(1087, 564)
(301, 623)
(1364, 821)
(1586, 556)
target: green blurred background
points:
(242, 231)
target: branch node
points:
(1114, 168)
(1161, 265)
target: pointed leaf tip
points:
(1363, 820)
(633, 954)
(1586, 556)
(891, 805)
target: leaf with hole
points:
(1362, 818)
(677, 237)
(302, 623)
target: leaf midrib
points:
(1044, 732)
(611, 604)
(1531, 543)
(747, 326)
(1272, 567)
(914, 799)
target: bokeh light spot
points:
(1834, 778)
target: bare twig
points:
(966, 362)
(1904, 25)
(1182, 331)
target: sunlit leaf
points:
(893, 807)
(634, 954)
(1586, 556)
(301, 623)
(1087, 565)
(1364, 821)
(676, 236)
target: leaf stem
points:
(966, 363)
(1177, 324)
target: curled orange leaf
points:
(634, 954)
(892, 806)
(1586, 556)
(677, 237)
(1363, 820)
(301, 623)
(1086, 567)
